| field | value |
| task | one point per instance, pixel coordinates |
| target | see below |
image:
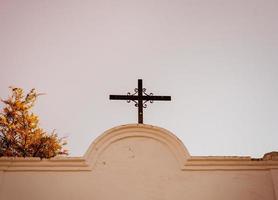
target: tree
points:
(20, 134)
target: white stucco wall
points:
(138, 162)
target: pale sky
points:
(218, 59)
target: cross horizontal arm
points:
(157, 98)
(123, 97)
(149, 98)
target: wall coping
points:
(186, 162)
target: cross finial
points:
(140, 98)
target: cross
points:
(140, 99)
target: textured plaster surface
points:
(274, 174)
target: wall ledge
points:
(188, 163)
(37, 164)
(229, 163)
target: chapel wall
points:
(139, 163)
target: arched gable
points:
(173, 144)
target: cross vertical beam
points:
(140, 101)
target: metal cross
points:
(140, 99)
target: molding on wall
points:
(187, 162)
(36, 164)
(201, 163)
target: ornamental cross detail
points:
(140, 98)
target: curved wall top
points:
(134, 131)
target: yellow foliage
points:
(20, 134)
